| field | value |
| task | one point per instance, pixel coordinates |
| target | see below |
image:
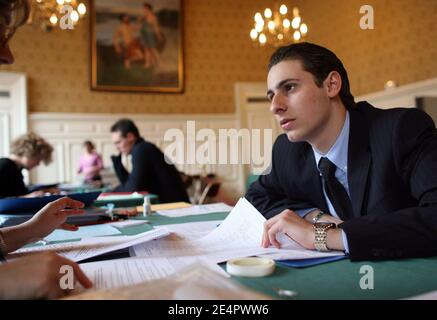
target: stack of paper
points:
(190, 231)
(108, 196)
(196, 210)
(123, 199)
(92, 247)
(195, 282)
(207, 243)
(126, 272)
(426, 296)
(239, 235)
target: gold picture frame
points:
(137, 45)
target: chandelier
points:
(51, 14)
(278, 28)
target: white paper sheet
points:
(134, 195)
(291, 250)
(83, 232)
(191, 230)
(239, 235)
(128, 223)
(126, 272)
(426, 296)
(92, 247)
(195, 282)
(196, 210)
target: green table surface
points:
(158, 220)
(336, 280)
(341, 280)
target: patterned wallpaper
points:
(218, 53)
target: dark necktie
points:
(335, 190)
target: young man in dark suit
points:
(345, 175)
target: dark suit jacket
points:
(11, 179)
(150, 172)
(392, 176)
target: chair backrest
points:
(211, 190)
(251, 179)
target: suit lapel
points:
(311, 178)
(359, 159)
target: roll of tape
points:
(250, 267)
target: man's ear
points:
(130, 136)
(333, 84)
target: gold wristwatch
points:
(321, 235)
(318, 216)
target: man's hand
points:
(292, 225)
(37, 277)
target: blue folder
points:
(28, 206)
(309, 262)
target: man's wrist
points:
(334, 240)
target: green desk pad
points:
(341, 280)
(134, 230)
(118, 203)
(335, 280)
(158, 220)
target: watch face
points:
(325, 225)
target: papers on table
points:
(426, 296)
(120, 196)
(192, 230)
(127, 272)
(83, 232)
(195, 282)
(196, 210)
(92, 247)
(239, 235)
(291, 250)
(128, 223)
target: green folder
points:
(123, 202)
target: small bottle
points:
(147, 208)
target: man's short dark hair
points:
(318, 61)
(125, 126)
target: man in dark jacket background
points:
(151, 171)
